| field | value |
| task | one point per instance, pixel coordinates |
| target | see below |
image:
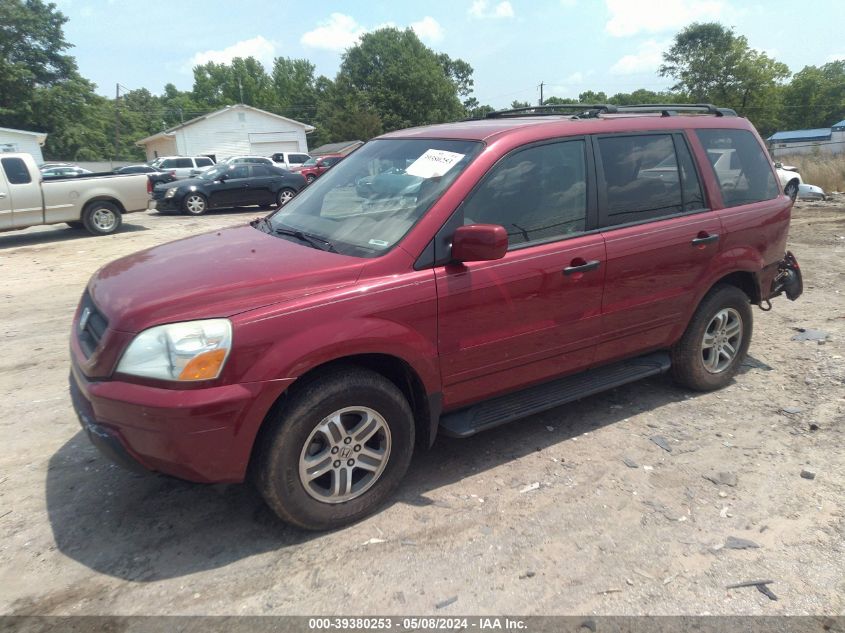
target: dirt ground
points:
(539, 517)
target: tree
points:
(295, 88)
(242, 81)
(401, 80)
(32, 46)
(712, 64)
(815, 97)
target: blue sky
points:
(570, 45)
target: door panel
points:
(655, 267)
(519, 320)
(653, 273)
(5, 205)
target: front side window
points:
(742, 168)
(537, 194)
(183, 162)
(239, 171)
(16, 171)
(374, 197)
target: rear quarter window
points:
(742, 168)
(204, 162)
(16, 171)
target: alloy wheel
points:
(722, 340)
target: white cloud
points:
(428, 29)
(647, 58)
(262, 49)
(337, 33)
(629, 17)
(482, 10)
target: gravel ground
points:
(575, 511)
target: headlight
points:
(170, 192)
(194, 350)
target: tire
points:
(310, 178)
(791, 189)
(280, 468)
(285, 196)
(194, 204)
(101, 218)
(724, 318)
(75, 225)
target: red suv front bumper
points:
(202, 435)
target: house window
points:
(241, 117)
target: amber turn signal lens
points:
(205, 366)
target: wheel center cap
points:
(345, 452)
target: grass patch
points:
(825, 171)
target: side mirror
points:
(479, 243)
(223, 177)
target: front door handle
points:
(577, 267)
(2, 195)
(704, 238)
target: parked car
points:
(313, 168)
(537, 262)
(63, 172)
(95, 202)
(811, 192)
(156, 176)
(236, 160)
(181, 166)
(290, 160)
(234, 185)
(794, 186)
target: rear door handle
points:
(705, 239)
(581, 268)
(2, 195)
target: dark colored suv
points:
(494, 269)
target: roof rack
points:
(587, 110)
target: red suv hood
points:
(216, 274)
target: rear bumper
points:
(202, 435)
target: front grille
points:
(93, 325)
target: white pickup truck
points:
(96, 202)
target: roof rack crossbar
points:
(589, 110)
(549, 110)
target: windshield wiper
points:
(312, 240)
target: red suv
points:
(313, 168)
(493, 269)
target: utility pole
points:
(116, 119)
(541, 93)
(241, 89)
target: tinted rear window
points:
(16, 171)
(743, 169)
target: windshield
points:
(366, 203)
(310, 161)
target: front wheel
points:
(336, 450)
(195, 204)
(101, 218)
(715, 342)
(310, 178)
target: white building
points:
(826, 140)
(233, 131)
(22, 141)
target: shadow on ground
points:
(56, 233)
(147, 527)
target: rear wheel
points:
(310, 178)
(336, 450)
(195, 204)
(716, 341)
(101, 218)
(285, 196)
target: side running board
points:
(490, 413)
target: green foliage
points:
(711, 64)
(401, 80)
(815, 97)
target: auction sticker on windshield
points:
(433, 164)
